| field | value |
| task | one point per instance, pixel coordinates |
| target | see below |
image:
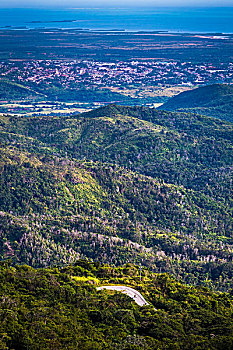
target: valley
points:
(116, 181)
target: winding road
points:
(132, 293)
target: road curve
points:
(132, 293)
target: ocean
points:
(197, 20)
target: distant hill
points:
(212, 100)
(13, 91)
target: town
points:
(95, 73)
(70, 86)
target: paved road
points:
(132, 293)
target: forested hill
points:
(180, 148)
(120, 184)
(212, 100)
(60, 308)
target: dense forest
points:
(185, 149)
(120, 184)
(119, 195)
(60, 308)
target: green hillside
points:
(54, 210)
(184, 149)
(120, 184)
(13, 91)
(212, 100)
(61, 309)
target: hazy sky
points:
(111, 3)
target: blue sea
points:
(197, 20)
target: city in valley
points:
(58, 82)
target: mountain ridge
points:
(120, 184)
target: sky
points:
(110, 3)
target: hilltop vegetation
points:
(212, 100)
(61, 309)
(156, 187)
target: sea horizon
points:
(184, 20)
